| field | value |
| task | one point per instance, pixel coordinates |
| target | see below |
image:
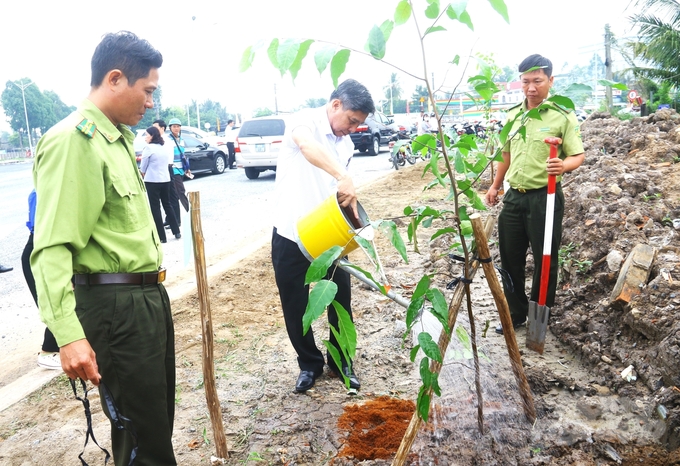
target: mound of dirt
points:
(626, 194)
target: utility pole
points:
(608, 63)
(23, 86)
(198, 117)
(276, 102)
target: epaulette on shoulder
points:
(87, 128)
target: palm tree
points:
(393, 91)
(658, 45)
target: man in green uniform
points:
(526, 166)
(93, 221)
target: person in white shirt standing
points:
(312, 165)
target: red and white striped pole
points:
(549, 220)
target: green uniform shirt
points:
(92, 215)
(528, 157)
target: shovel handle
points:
(549, 220)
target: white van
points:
(258, 143)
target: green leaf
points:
(463, 337)
(286, 54)
(477, 202)
(423, 404)
(432, 10)
(367, 246)
(577, 88)
(247, 58)
(443, 231)
(435, 385)
(323, 57)
(302, 53)
(466, 20)
(338, 64)
(432, 29)
(414, 353)
(387, 27)
(501, 9)
(272, 51)
(319, 299)
(429, 347)
(319, 266)
(563, 101)
(413, 310)
(402, 13)
(615, 85)
(466, 225)
(390, 229)
(439, 307)
(456, 60)
(458, 162)
(422, 287)
(348, 332)
(376, 43)
(462, 213)
(408, 210)
(425, 373)
(456, 8)
(333, 351)
(534, 114)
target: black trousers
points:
(290, 267)
(49, 342)
(232, 154)
(131, 331)
(521, 224)
(159, 193)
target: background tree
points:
(656, 51)
(393, 91)
(421, 91)
(262, 111)
(315, 102)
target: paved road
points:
(235, 217)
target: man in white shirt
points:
(312, 166)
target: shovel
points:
(539, 312)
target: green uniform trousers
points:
(130, 329)
(521, 224)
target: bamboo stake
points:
(211, 398)
(436, 367)
(506, 320)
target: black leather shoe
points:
(353, 379)
(305, 381)
(515, 325)
(4, 269)
(178, 235)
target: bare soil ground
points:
(626, 193)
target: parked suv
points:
(373, 133)
(258, 144)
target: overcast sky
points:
(51, 42)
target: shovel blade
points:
(537, 326)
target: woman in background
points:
(154, 168)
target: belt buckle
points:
(522, 190)
(161, 275)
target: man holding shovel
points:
(527, 167)
(312, 166)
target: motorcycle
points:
(400, 146)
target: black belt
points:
(145, 278)
(527, 191)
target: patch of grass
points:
(14, 427)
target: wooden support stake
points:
(435, 367)
(211, 398)
(506, 320)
